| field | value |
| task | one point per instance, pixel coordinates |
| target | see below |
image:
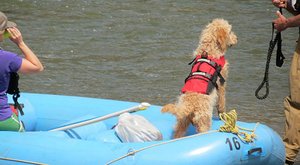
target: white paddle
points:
(141, 106)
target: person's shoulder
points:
(7, 53)
(9, 56)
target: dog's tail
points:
(169, 108)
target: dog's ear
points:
(221, 39)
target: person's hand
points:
(280, 23)
(15, 35)
(280, 3)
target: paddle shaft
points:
(142, 106)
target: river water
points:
(139, 50)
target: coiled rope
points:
(230, 126)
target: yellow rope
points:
(230, 119)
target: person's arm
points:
(293, 21)
(30, 62)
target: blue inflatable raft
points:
(98, 143)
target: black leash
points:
(279, 61)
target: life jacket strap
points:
(218, 70)
(190, 63)
(204, 74)
(210, 62)
(17, 104)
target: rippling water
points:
(138, 50)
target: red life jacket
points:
(204, 74)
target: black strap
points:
(13, 89)
(279, 56)
(190, 63)
(218, 70)
(279, 62)
(17, 104)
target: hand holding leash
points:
(280, 23)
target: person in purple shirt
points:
(11, 62)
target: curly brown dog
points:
(205, 86)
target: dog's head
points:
(216, 38)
